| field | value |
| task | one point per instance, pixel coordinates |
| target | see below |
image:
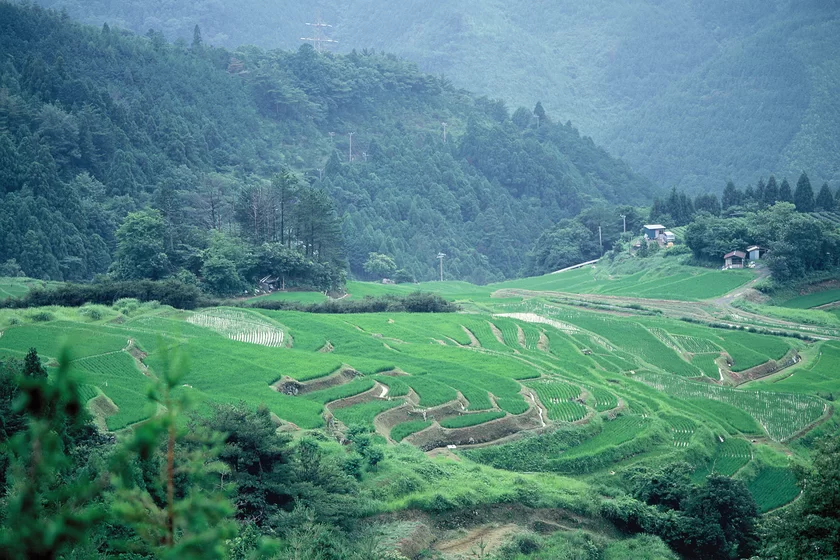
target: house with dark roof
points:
(734, 259)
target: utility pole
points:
(321, 174)
(332, 137)
(444, 132)
(600, 240)
(350, 153)
(319, 36)
(624, 218)
(364, 155)
(440, 256)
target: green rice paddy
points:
(618, 388)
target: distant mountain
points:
(689, 92)
(96, 123)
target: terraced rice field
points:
(681, 428)
(585, 368)
(674, 282)
(731, 455)
(241, 326)
(773, 487)
(781, 415)
(813, 300)
(363, 414)
(405, 429)
(466, 420)
(560, 399)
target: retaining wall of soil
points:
(437, 436)
(765, 369)
(290, 386)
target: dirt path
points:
(488, 537)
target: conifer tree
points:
(785, 193)
(825, 200)
(771, 191)
(196, 42)
(803, 198)
(32, 367)
(182, 510)
(731, 196)
(47, 511)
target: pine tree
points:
(759, 191)
(731, 196)
(771, 191)
(47, 511)
(785, 194)
(539, 112)
(32, 367)
(182, 511)
(825, 200)
(197, 42)
(803, 198)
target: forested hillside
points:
(253, 147)
(689, 92)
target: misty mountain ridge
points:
(96, 123)
(691, 93)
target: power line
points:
(319, 36)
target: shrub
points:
(168, 292)
(41, 316)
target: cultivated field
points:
(606, 389)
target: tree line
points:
(678, 209)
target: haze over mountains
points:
(96, 123)
(689, 92)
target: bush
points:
(41, 316)
(92, 313)
(416, 302)
(168, 292)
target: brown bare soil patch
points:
(483, 539)
(289, 386)
(101, 408)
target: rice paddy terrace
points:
(527, 382)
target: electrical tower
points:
(319, 37)
(441, 256)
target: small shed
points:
(653, 231)
(734, 259)
(755, 252)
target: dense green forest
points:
(243, 158)
(689, 92)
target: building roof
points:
(654, 226)
(739, 254)
(753, 248)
